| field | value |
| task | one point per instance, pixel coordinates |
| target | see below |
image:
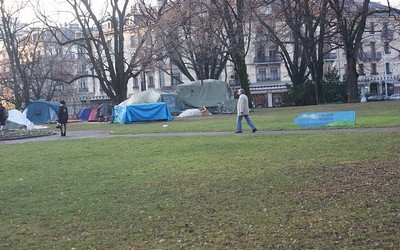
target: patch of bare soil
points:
(368, 178)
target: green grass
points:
(299, 191)
(378, 114)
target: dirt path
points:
(73, 135)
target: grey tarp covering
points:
(206, 93)
(212, 94)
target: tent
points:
(212, 94)
(83, 114)
(141, 112)
(42, 111)
(93, 115)
(17, 120)
(206, 93)
(104, 112)
(173, 102)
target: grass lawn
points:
(378, 114)
(298, 191)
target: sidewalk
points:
(74, 135)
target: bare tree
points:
(272, 17)
(14, 35)
(104, 39)
(351, 17)
(302, 30)
(236, 34)
(191, 40)
(316, 39)
(51, 68)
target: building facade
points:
(378, 67)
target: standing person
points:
(243, 110)
(63, 117)
(3, 116)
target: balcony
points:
(330, 56)
(266, 79)
(387, 35)
(268, 59)
(367, 56)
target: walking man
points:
(243, 111)
(63, 118)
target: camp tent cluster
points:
(38, 112)
(149, 105)
(211, 94)
(103, 113)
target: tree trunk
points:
(352, 77)
(241, 70)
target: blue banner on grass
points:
(319, 119)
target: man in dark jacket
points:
(3, 116)
(63, 117)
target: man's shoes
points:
(238, 132)
(254, 130)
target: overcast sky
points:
(55, 8)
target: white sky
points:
(58, 10)
(54, 8)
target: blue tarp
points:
(141, 112)
(317, 119)
(42, 111)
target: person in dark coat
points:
(63, 117)
(3, 116)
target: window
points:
(386, 46)
(372, 45)
(387, 68)
(82, 86)
(262, 74)
(80, 53)
(151, 81)
(361, 69)
(386, 34)
(78, 34)
(273, 55)
(35, 37)
(372, 27)
(373, 69)
(274, 74)
(385, 27)
(261, 53)
(135, 82)
(176, 78)
(83, 70)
